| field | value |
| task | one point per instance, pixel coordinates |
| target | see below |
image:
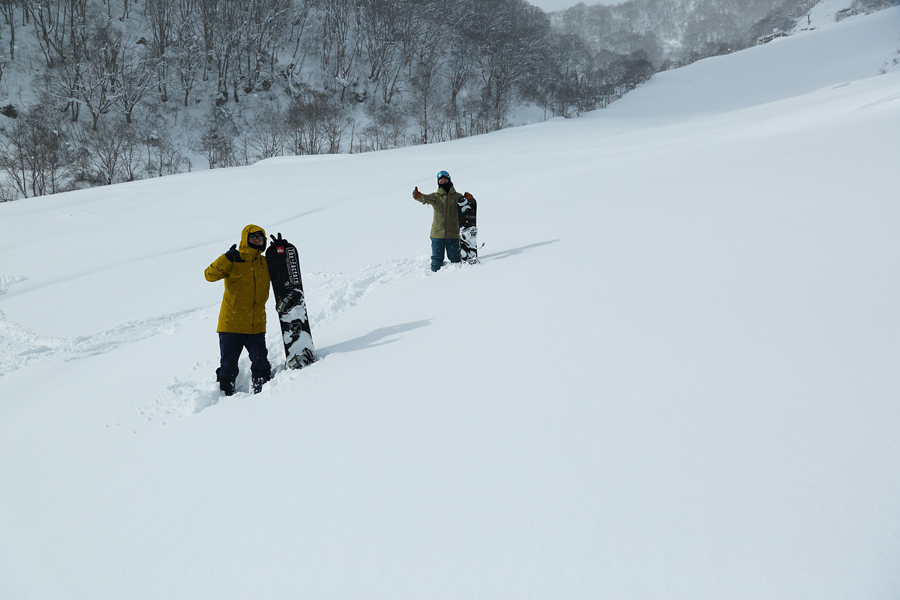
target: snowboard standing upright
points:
(290, 302)
(468, 230)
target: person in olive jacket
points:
(242, 318)
(445, 226)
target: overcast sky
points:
(548, 5)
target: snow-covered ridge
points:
(835, 53)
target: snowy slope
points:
(676, 376)
(831, 53)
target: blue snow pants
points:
(438, 245)
(232, 344)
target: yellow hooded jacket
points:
(246, 287)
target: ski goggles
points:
(257, 236)
(443, 174)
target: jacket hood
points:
(248, 251)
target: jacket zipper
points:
(446, 214)
(255, 299)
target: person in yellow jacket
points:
(445, 225)
(242, 318)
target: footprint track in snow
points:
(20, 347)
(329, 294)
(333, 293)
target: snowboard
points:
(284, 271)
(467, 208)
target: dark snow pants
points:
(438, 245)
(232, 344)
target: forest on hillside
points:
(674, 33)
(94, 92)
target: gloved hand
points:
(469, 196)
(416, 193)
(233, 255)
(279, 241)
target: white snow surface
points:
(674, 373)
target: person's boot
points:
(227, 387)
(258, 383)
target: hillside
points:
(673, 375)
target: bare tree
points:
(316, 123)
(45, 19)
(216, 142)
(508, 35)
(96, 87)
(217, 148)
(459, 71)
(268, 135)
(59, 27)
(159, 16)
(35, 155)
(164, 157)
(387, 33)
(188, 55)
(134, 138)
(386, 129)
(425, 86)
(255, 55)
(297, 41)
(219, 29)
(8, 11)
(339, 43)
(134, 77)
(105, 145)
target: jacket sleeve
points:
(429, 198)
(220, 269)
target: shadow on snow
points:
(372, 339)
(514, 251)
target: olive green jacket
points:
(446, 217)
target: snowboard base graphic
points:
(467, 209)
(284, 271)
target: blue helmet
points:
(443, 174)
